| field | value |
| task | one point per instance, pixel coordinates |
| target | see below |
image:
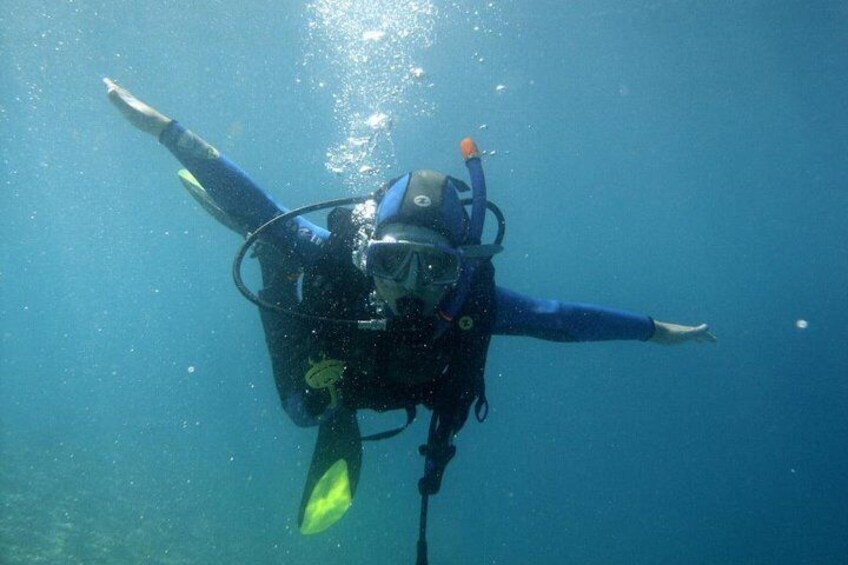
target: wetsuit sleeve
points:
(518, 314)
(246, 205)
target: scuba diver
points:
(390, 307)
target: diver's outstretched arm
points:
(554, 320)
(140, 114)
(666, 333)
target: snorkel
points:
(478, 188)
(471, 155)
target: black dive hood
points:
(475, 250)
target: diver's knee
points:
(296, 407)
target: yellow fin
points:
(193, 186)
(329, 500)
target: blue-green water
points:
(683, 159)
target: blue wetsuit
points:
(248, 206)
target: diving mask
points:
(424, 264)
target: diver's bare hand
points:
(673, 334)
(141, 115)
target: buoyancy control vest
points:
(396, 367)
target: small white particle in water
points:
(801, 324)
(378, 121)
(417, 73)
(500, 88)
(190, 369)
(374, 35)
(358, 141)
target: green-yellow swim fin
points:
(199, 193)
(333, 474)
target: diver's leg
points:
(287, 337)
(224, 190)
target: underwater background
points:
(683, 159)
